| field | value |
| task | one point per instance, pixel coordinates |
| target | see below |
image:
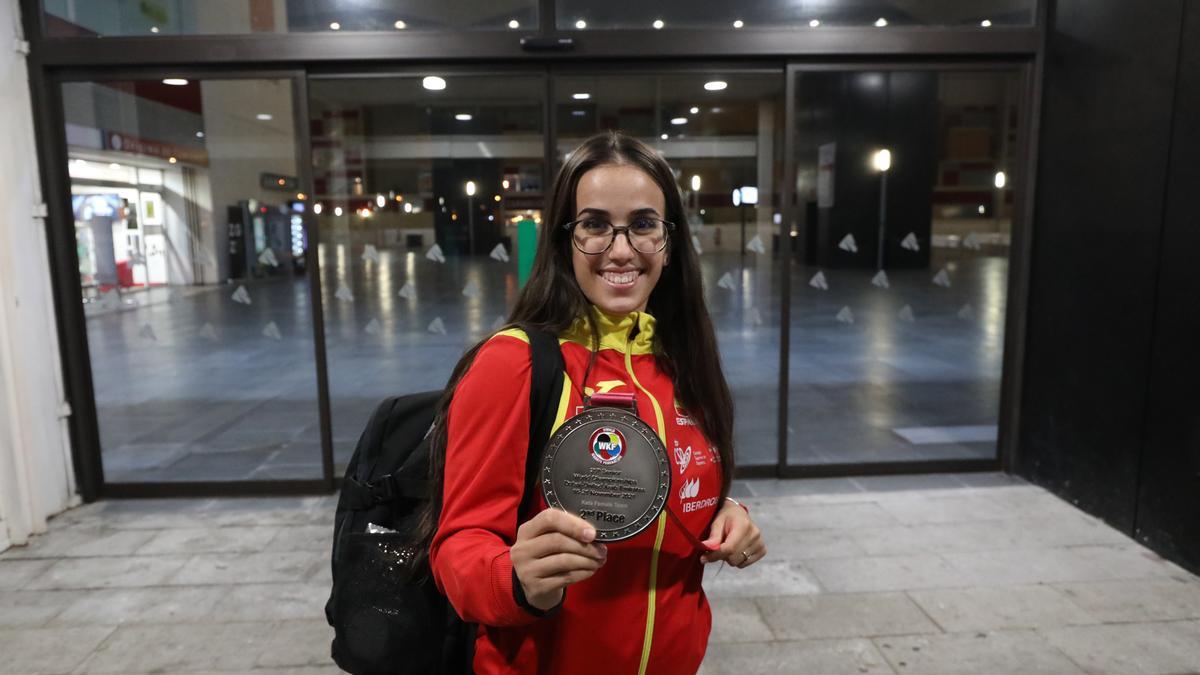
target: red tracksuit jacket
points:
(644, 611)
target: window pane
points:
(81, 18)
(427, 200)
(815, 14)
(900, 271)
(192, 257)
(717, 139)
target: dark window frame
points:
(53, 61)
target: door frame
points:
(1021, 177)
(86, 446)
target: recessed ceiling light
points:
(199, 134)
(433, 83)
(176, 81)
(814, 23)
(678, 120)
(172, 160)
(581, 24)
(986, 23)
(715, 85)
(578, 113)
(335, 26)
(514, 24)
(658, 24)
(263, 117)
(715, 110)
(664, 137)
(738, 23)
(880, 22)
(694, 110)
(400, 24)
(581, 96)
(463, 117)
(154, 29)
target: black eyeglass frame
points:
(570, 226)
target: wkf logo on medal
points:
(608, 445)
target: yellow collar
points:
(615, 332)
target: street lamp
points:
(882, 161)
(470, 217)
(747, 195)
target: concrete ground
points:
(917, 574)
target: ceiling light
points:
(738, 23)
(716, 85)
(814, 23)
(664, 137)
(263, 117)
(400, 24)
(658, 24)
(880, 22)
(433, 83)
(470, 188)
(715, 110)
(578, 113)
(408, 207)
(581, 24)
(678, 120)
(114, 166)
(986, 23)
(1001, 180)
(154, 29)
(172, 160)
(514, 24)
(504, 183)
(199, 134)
(317, 208)
(696, 183)
(463, 117)
(981, 209)
(335, 26)
(380, 200)
(337, 210)
(694, 110)
(176, 81)
(581, 96)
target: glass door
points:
(901, 222)
(192, 248)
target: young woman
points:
(616, 278)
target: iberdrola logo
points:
(608, 445)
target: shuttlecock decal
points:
(344, 293)
(910, 242)
(756, 245)
(845, 316)
(370, 253)
(435, 254)
(242, 295)
(272, 331)
(818, 281)
(726, 281)
(906, 314)
(499, 253)
(437, 326)
(880, 279)
(408, 291)
(373, 327)
(267, 257)
(942, 278)
(848, 244)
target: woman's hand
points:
(734, 538)
(554, 549)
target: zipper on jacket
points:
(648, 639)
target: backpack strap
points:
(545, 390)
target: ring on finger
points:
(745, 557)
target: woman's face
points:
(618, 281)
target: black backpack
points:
(386, 611)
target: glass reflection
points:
(193, 256)
(427, 185)
(904, 211)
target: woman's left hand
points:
(734, 538)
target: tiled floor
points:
(192, 384)
(909, 575)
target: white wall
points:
(36, 478)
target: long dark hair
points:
(685, 345)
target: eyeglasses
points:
(593, 236)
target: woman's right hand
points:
(554, 549)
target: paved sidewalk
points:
(920, 574)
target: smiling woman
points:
(619, 276)
(625, 301)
